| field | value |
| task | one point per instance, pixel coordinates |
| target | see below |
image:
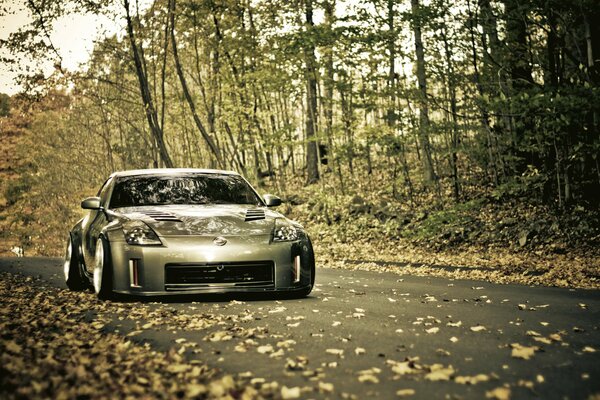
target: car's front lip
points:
(151, 262)
(214, 291)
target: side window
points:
(104, 192)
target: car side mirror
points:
(91, 203)
(271, 200)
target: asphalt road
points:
(358, 328)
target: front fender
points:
(76, 235)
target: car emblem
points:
(220, 241)
(220, 267)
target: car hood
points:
(205, 220)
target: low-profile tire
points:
(308, 261)
(72, 267)
(102, 277)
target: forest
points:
(471, 124)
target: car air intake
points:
(254, 215)
(189, 276)
(162, 216)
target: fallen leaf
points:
(500, 393)
(265, 349)
(290, 393)
(335, 352)
(367, 378)
(194, 390)
(277, 310)
(325, 387)
(524, 352)
(471, 380)
(286, 343)
(525, 384)
(440, 373)
(278, 354)
(405, 392)
(555, 337)
(13, 347)
(589, 349)
(478, 328)
(369, 375)
(359, 350)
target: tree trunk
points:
(327, 102)
(520, 70)
(150, 110)
(205, 135)
(391, 81)
(483, 112)
(455, 139)
(312, 159)
(427, 163)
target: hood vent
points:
(254, 215)
(162, 216)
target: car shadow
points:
(212, 298)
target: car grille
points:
(215, 275)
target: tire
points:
(102, 277)
(72, 268)
(308, 256)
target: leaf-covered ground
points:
(53, 346)
(486, 239)
(359, 334)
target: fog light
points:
(296, 269)
(134, 273)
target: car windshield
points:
(145, 190)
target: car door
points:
(92, 226)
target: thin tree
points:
(427, 163)
(149, 109)
(310, 72)
(186, 92)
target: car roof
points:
(171, 171)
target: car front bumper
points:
(142, 270)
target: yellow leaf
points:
(500, 393)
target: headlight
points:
(137, 232)
(284, 231)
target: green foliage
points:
(444, 227)
(16, 190)
(4, 105)
(526, 185)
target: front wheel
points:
(102, 279)
(72, 268)
(308, 264)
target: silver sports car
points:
(174, 231)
